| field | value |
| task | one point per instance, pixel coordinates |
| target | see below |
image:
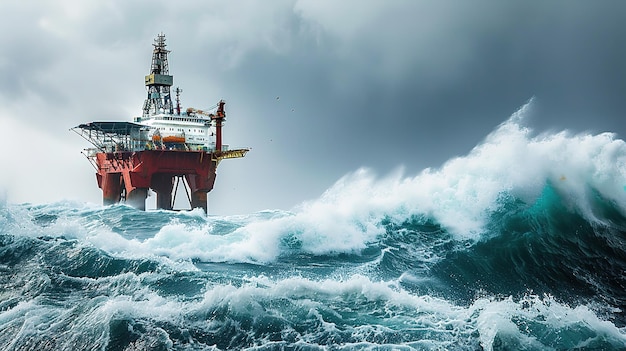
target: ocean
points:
(518, 245)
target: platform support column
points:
(197, 186)
(137, 198)
(163, 184)
(111, 188)
(199, 200)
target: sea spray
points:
(520, 244)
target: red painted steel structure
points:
(219, 118)
(127, 175)
(124, 174)
(131, 174)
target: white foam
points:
(466, 190)
(85, 322)
(530, 321)
(548, 319)
(460, 196)
(325, 306)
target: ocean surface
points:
(518, 245)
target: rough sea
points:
(518, 245)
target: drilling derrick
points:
(160, 149)
(158, 82)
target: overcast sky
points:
(317, 88)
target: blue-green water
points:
(519, 245)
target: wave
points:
(462, 196)
(520, 244)
(139, 310)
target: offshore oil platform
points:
(160, 149)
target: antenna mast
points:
(178, 91)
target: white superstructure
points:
(191, 129)
(167, 126)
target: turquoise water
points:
(519, 245)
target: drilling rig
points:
(160, 149)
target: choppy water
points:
(519, 245)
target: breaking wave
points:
(518, 245)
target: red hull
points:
(131, 174)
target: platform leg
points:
(163, 184)
(198, 191)
(137, 198)
(111, 188)
(199, 200)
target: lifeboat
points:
(175, 139)
(156, 136)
